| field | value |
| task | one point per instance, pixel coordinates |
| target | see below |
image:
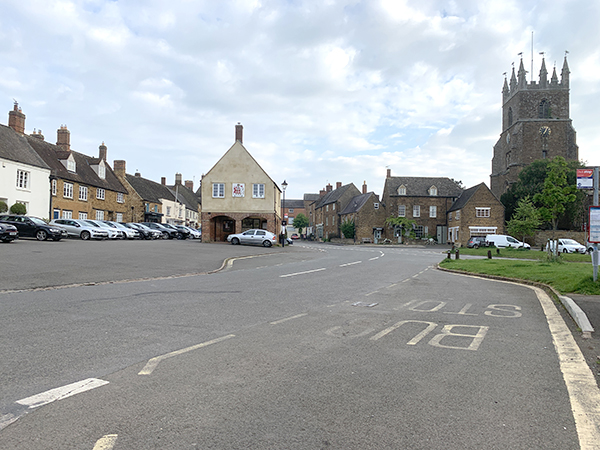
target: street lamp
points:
(284, 185)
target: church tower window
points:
(544, 109)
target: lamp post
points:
(284, 185)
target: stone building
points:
(326, 211)
(536, 124)
(426, 200)
(368, 215)
(477, 212)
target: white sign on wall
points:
(238, 190)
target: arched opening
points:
(221, 227)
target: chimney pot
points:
(364, 187)
(239, 133)
(137, 174)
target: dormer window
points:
(433, 191)
(102, 170)
(71, 166)
(402, 190)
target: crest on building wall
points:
(238, 190)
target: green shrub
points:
(3, 207)
(18, 208)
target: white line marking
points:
(152, 363)
(373, 259)
(106, 442)
(289, 318)
(62, 392)
(350, 264)
(301, 273)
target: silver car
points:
(253, 237)
(81, 229)
(113, 233)
(128, 233)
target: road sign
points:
(594, 233)
(585, 178)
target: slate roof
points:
(333, 196)
(356, 203)
(311, 197)
(150, 191)
(465, 197)
(15, 147)
(52, 154)
(418, 186)
(292, 203)
(185, 196)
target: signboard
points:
(594, 236)
(238, 190)
(585, 178)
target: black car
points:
(8, 232)
(30, 226)
(477, 241)
(168, 233)
(185, 233)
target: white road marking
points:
(373, 259)
(350, 264)
(301, 273)
(289, 318)
(106, 442)
(62, 392)
(152, 363)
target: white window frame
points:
(120, 199)
(218, 190)
(54, 184)
(100, 194)
(119, 217)
(402, 190)
(83, 215)
(375, 205)
(66, 214)
(416, 210)
(401, 210)
(71, 165)
(83, 193)
(99, 214)
(67, 192)
(433, 191)
(258, 190)
(102, 171)
(432, 211)
(457, 215)
(23, 179)
(483, 212)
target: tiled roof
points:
(185, 196)
(292, 203)
(150, 191)
(15, 147)
(356, 203)
(311, 197)
(52, 155)
(333, 196)
(419, 186)
(465, 197)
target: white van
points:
(503, 241)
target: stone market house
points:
(237, 195)
(477, 212)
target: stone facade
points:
(536, 124)
(368, 215)
(327, 210)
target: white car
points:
(113, 233)
(566, 246)
(253, 237)
(128, 233)
(81, 229)
(194, 234)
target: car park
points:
(8, 232)
(113, 233)
(566, 246)
(179, 234)
(81, 229)
(477, 241)
(146, 232)
(128, 233)
(504, 241)
(185, 232)
(168, 233)
(29, 226)
(194, 234)
(253, 237)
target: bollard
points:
(448, 254)
(498, 251)
(489, 254)
(457, 254)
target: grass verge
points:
(523, 254)
(564, 277)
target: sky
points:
(327, 90)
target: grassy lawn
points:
(523, 254)
(565, 277)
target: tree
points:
(300, 222)
(557, 192)
(18, 208)
(3, 207)
(348, 228)
(526, 219)
(405, 225)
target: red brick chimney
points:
(189, 184)
(364, 187)
(338, 185)
(322, 192)
(63, 138)
(239, 133)
(329, 187)
(119, 168)
(389, 173)
(163, 181)
(102, 152)
(16, 119)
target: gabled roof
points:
(150, 191)
(15, 147)
(53, 154)
(356, 203)
(465, 197)
(333, 196)
(419, 186)
(185, 196)
(292, 203)
(311, 197)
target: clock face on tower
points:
(545, 132)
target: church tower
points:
(535, 125)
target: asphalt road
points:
(307, 347)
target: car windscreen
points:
(37, 221)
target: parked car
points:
(168, 233)
(180, 234)
(8, 232)
(147, 232)
(81, 229)
(186, 233)
(503, 241)
(30, 226)
(566, 246)
(113, 233)
(295, 236)
(253, 237)
(128, 233)
(477, 241)
(194, 234)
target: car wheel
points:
(179, 236)
(565, 250)
(85, 235)
(41, 235)
(235, 241)
(267, 243)
(165, 235)
(476, 246)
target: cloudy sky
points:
(327, 90)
